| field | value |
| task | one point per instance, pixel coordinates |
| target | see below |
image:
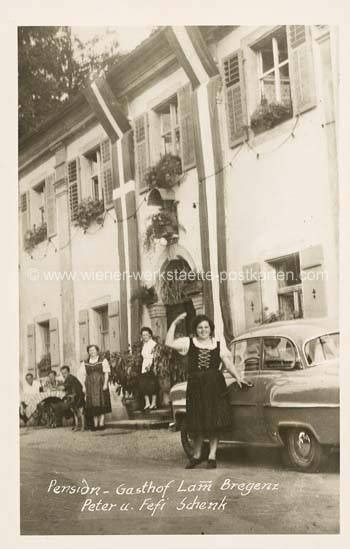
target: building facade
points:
(251, 113)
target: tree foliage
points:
(53, 65)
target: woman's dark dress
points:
(208, 409)
(98, 401)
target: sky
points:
(128, 37)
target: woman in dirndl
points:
(208, 411)
(94, 374)
(148, 381)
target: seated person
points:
(52, 384)
(30, 396)
(75, 395)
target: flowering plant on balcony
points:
(163, 225)
(269, 115)
(88, 211)
(165, 173)
(144, 295)
(34, 236)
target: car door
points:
(247, 419)
(280, 360)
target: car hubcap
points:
(303, 444)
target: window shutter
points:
(235, 98)
(31, 348)
(106, 172)
(252, 295)
(54, 342)
(301, 68)
(50, 205)
(25, 213)
(114, 326)
(313, 283)
(141, 135)
(73, 187)
(184, 99)
(83, 332)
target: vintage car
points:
(293, 401)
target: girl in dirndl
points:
(208, 411)
(94, 373)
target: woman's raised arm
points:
(180, 344)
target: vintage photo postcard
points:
(178, 287)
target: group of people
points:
(208, 411)
(87, 395)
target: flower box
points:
(269, 115)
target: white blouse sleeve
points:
(224, 351)
(105, 366)
(184, 345)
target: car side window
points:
(279, 353)
(246, 355)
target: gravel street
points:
(134, 482)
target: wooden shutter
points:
(313, 282)
(73, 168)
(252, 295)
(301, 68)
(184, 100)
(31, 348)
(54, 342)
(114, 326)
(235, 98)
(83, 332)
(107, 172)
(25, 213)
(141, 135)
(50, 205)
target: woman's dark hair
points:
(200, 318)
(52, 372)
(92, 345)
(146, 329)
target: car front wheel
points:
(304, 450)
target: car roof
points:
(298, 330)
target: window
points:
(169, 128)
(273, 68)
(279, 353)
(103, 327)
(45, 338)
(322, 348)
(94, 160)
(38, 196)
(246, 355)
(289, 287)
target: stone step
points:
(139, 424)
(159, 414)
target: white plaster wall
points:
(279, 203)
(186, 193)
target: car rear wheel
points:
(304, 450)
(187, 443)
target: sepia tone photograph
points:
(178, 217)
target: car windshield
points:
(322, 348)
